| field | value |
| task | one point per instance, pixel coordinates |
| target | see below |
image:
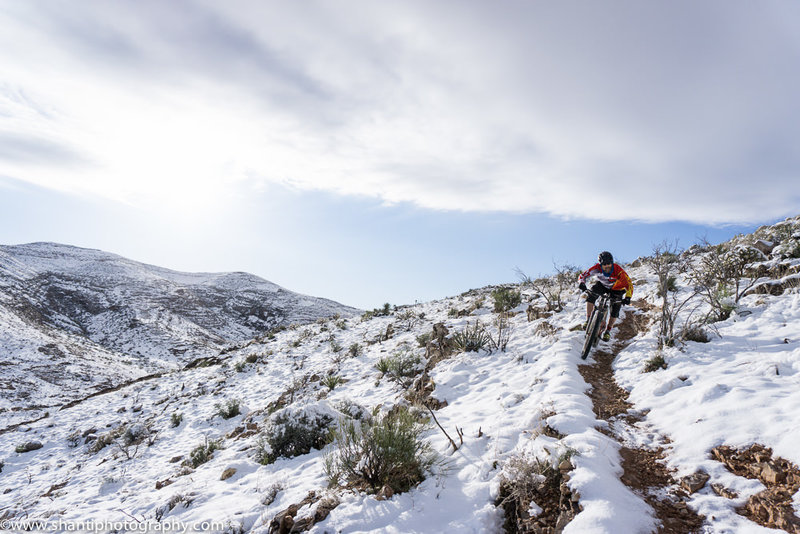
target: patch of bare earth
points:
(643, 469)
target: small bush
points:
(355, 350)
(506, 299)
(424, 339)
(655, 363)
(252, 358)
(383, 365)
(239, 367)
(472, 339)
(384, 452)
(203, 453)
(400, 366)
(352, 409)
(331, 381)
(176, 419)
(294, 431)
(695, 332)
(228, 409)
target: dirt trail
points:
(643, 469)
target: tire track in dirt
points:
(644, 471)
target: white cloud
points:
(638, 110)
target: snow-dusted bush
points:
(293, 431)
(472, 339)
(402, 366)
(228, 409)
(352, 409)
(388, 451)
(723, 276)
(176, 419)
(655, 363)
(506, 299)
(695, 332)
(204, 452)
(552, 289)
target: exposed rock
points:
(772, 508)
(722, 491)
(29, 446)
(695, 482)
(764, 246)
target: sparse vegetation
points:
(176, 419)
(551, 289)
(228, 409)
(695, 332)
(331, 381)
(407, 319)
(655, 363)
(723, 276)
(355, 350)
(666, 262)
(388, 451)
(400, 366)
(292, 432)
(424, 339)
(506, 299)
(378, 312)
(472, 339)
(204, 452)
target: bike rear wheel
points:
(602, 321)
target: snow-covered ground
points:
(740, 388)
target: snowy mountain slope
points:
(738, 389)
(73, 320)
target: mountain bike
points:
(596, 323)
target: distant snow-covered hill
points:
(73, 320)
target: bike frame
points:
(597, 321)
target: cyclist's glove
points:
(626, 301)
(582, 286)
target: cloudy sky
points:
(400, 150)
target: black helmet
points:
(605, 258)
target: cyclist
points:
(611, 278)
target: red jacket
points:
(617, 280)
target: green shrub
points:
(424, 339)
(472, 339)
(400, 366)
(355, 350)
(203, 453)
(294, 431)
(252, 358)
(506, 299)
(239, 367)
(384, 452)
(228, 409)
(331, 381)
(176, 419)
(655, 363)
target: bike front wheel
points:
(592, 331)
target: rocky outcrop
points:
(772, 508)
